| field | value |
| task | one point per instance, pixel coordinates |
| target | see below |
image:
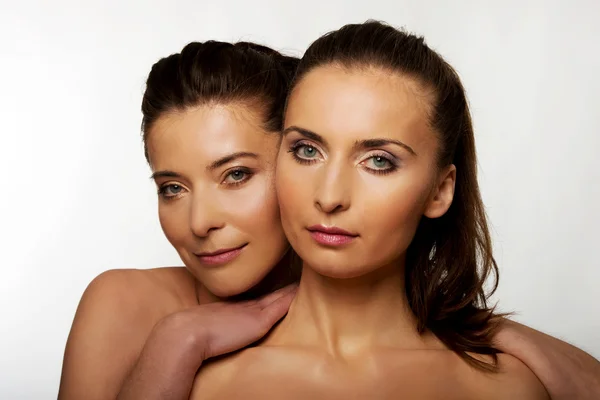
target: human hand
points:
(566, 371)
(180, 343)
(218, 328)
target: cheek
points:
(256, 210)
(292, 188)
(399, 208)
(174, 220)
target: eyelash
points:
(162, 191)
(300, 144)
(247, 175)
(393, 164)
(297, 146)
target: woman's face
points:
(214, 169)
(357, 169)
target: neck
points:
(343, 316)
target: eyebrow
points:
(164, 174)
(370, 143)
(306, 133)
(365, 144)
(214, 165)
(229, 158)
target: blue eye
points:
(304, 153)
(170, 190)
(308, 151)
(380, 162)
(237, 176)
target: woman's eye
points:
(170, 190)
(379, 162)
(307, 151)
(237, 176)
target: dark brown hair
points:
(450, 257)
(219, 72)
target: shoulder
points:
(513, 380)
(131, 300)
(115, 315)
(135, 289)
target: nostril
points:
(330, 208)
(205, 228)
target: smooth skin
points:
(566, 371)
(359, 154)
(214, 170)
(141, 334)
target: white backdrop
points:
(76, 199)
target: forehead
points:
(203, 134)
(359, 102)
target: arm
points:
(182, 341)
(169, 361)
(566, 371)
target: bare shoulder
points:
(513, 380)
(136, 294)
(115, 315)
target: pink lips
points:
(220, 256)
(331, 236)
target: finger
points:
(247, 303)
(276, 295)
(267, 299)
(276, 310)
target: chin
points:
(339, 274)
(224, 291)
(230, 290)
(336, 267)
(230, 282)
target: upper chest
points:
(305, 378)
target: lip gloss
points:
(331, 239)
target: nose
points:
(333, 189)
(205, 216)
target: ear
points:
(442, 194)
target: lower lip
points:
(222, 258)
(330, 239)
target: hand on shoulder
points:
(566, 371)
(514, 380)
(180, 343)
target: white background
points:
(76, 199)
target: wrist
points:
(179, 338)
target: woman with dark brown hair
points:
(377, 187)
(212, 117)
(376, 299)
